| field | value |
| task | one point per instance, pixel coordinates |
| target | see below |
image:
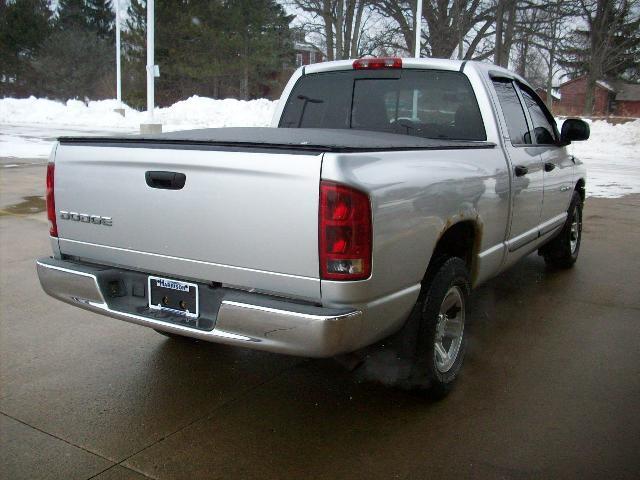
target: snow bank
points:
(29, 126)
(195, 112)
(612, 158)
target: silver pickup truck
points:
(384, 191)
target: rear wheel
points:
(441, 338)
(562, 251)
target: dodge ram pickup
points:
(383, 192)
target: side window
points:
(544, 131)
(513, 113)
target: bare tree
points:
(540, 27)
(609, 44)
(449, 22)
(450, 26)
(339, 22)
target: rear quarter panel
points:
(415, 197)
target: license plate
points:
(174, 296)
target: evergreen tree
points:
(76, 64)
(78, 59)
(217, 49)
(95, 16)
(260, 30)
(24, 26)
(72, 15)
(101, 18)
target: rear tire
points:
(441, 338)
(563, 250)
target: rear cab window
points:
(421, 103)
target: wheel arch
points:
(460, 239)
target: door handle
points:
(165, 180)
(548, 166)
(521, 170)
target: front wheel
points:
(562, 251)
(441, 340)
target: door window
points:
(513, 112)
(545, 132)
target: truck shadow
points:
(495, 315)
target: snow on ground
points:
(195, 112)
(28, 127)
(612, 157)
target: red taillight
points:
(377, 63)
(345, 233)
(51, 203)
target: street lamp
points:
(119, 108)
(152, 71)
(417, 54)
(418, 28)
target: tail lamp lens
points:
(51, 203)
(345, 233)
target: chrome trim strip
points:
(537, 232)
(491, 250)
(277, 311)
(521, 240)
(553, 223)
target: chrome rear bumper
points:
(244, 319)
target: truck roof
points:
(422, 63)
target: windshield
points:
(422, 103)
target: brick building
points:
(572, 97)
(616, 98)
(627, 101)
(542, 93)
(307, 54)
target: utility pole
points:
(152, 71)
(119, 109)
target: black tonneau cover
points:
(305, 139)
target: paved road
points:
(551, 388)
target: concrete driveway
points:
(550, 389)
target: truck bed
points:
(303, 139)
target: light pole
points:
(152, 71)
(119, 109)
(418, 28)
(417, 54)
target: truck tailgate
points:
(245, 217)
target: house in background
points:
(555, 96)
(617, 98)
(306, 52)
(627, 101)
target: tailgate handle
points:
(165, 180)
